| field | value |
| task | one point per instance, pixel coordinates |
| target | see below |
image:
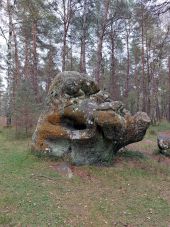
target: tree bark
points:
(9, 66)
(169, 88)
(50, 67)
(148, 43)
(67, 16)
(101, 34)
(128, 62)
(99, 59)
(113, 82)
(83, 40)
(64, 50)
(143, 66)
(137, 81)
(27, 57)
(17, 62)
(35, 58)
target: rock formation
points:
(81, 122)
(163, 140)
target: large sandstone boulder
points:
(163, 140)
(83, 123)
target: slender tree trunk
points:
(113, 82)
(83, 56)
(99, 59)
(71, 56)
(16, 74)
(64, 50)
(143, 67)
(26, 60)
(148, 75)
(158, 112)
(128, 63)
(169, 88)
(154, 103)
(49, 67)
(67, 16)
(64, 38)
(9, 66)
(137, 82)
(83, 40)
(35, 58)
(101, 34)
(17, 62)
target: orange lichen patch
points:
(50, 130)
(109, 117)
(39, 146)
(54, 118)
(75, 115)
(129, 121)
(130, 124)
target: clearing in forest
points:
(134, 191)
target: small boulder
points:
(163, 140)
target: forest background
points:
(123, 45)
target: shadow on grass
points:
(162, 153)
(132, 155)
(126, 155)
(45, 156)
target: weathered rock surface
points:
(163, 140)
(83, 123)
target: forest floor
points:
(134, 191)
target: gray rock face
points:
(83, 123)
(163, 140)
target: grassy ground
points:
(134, 191)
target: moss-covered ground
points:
(134, 191)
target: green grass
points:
(134, 191)
(154, 129)
(136, 155)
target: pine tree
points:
(26, 109)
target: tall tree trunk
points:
(113, 82)
(99, 59)
(83, 40)
(155, 112)
(128, 63)
(35, 58)
(64, 50)
(148, 77)
(67, 16)
(169, 88)
(64, 37)
(17, 62)
(49, 67)
(71, 56)
(27, 57)
(101, 34)
(16, 74)
(9, 66)
(143, 66)
(137, 82)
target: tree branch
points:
(3, 35)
